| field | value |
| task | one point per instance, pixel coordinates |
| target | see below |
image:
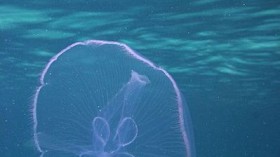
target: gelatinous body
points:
(101, 99)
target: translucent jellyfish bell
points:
(102, 99)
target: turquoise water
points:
(225, 56)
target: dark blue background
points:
(225, 56)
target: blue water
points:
(224, 55)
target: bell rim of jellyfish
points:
(190, 150)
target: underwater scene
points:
(148, 78)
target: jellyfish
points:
(102, 99)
